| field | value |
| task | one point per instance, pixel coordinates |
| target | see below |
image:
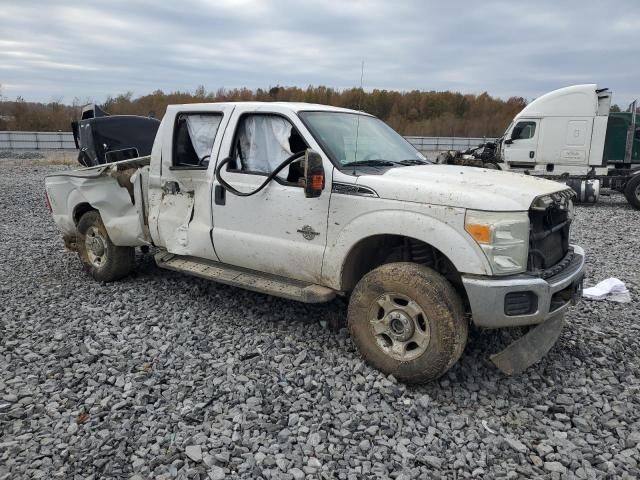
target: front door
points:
(521, 146)
(276, 230)
(181, 204)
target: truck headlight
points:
(503, 236)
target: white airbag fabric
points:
(202, 130)
(264, 142)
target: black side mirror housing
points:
(508, 141)
(313, 174)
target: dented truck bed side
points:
(116, 190)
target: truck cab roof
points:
(577, 100)
(292, 106)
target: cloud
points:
(92, 49)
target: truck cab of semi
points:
(570, 134)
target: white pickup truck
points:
(308, 202)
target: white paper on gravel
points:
(609, 289)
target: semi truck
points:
(570, 135)
(309, 202)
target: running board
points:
(245, 278)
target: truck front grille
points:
(548, 240)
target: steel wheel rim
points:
(637, 192)
(400, 326)
(96, 247)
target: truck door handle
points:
(171, 187)
(220, 195)
(532, 154)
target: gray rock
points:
(222, 457)
(435, 462)
(194, 452)
(216, 473)
(372, 430)
(314, 439)
(544, 449)
(424, 401)
(563, 399)
(297, 474)
(555, 467)
(516, 444)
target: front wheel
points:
(103, 260)
(407, 320)
(632, 191)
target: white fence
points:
(64, 141)
(37, 141)
(440, 144)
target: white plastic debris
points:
(609, 289)
(487, 428)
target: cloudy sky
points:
(89, 49)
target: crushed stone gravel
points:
(167, 376)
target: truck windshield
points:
(377, 143)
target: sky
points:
(87, 50)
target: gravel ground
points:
(167, 376)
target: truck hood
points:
(464, 187)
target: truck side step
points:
(245, 278)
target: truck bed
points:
(117, 190)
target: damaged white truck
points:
(308, 202)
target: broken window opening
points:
(195, 135)
(263, 142)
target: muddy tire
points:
(103, 260)
(632, 191)
(407, 320)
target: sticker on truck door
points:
(572, 155)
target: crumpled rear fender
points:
(119, 203)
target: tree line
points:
(422, 113)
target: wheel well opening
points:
(377, 250)
(80, 210)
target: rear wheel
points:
(407, 320)
(632, 191)
(103, 260)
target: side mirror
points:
(508, 141)
(313, 174)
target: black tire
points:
(114, 262)
(440, 304)
(492, 166)
(632, 191)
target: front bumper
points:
(487, 295)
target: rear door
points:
(522, 144)
(181, 210)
